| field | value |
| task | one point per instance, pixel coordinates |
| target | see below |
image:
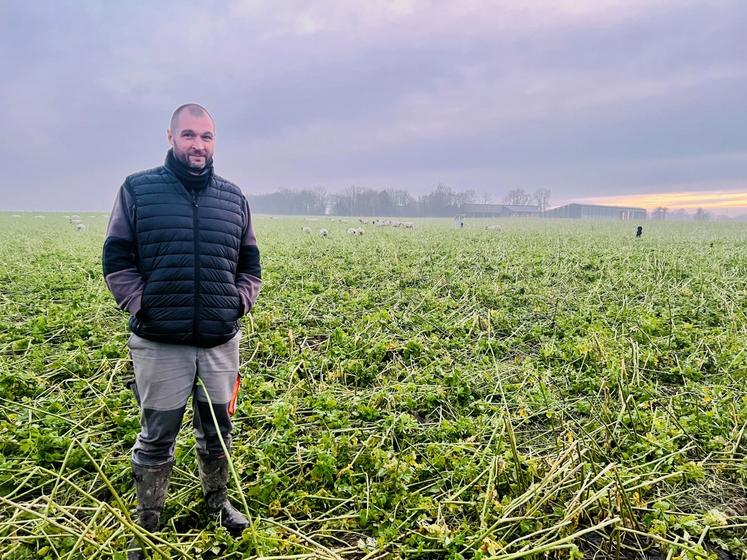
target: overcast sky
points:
(590, 98)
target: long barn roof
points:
(576, 204)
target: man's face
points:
(193, 140)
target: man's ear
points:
(170, 136)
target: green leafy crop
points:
(554, 389)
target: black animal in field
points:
(639, 231)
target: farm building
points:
(593, 211)
(499, 210)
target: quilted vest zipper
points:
(196, 236)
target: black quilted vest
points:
(187, 252)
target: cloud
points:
(584, 97)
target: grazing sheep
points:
(16, 216)
(306, 229)
(494, 227)
(80, 227)
(352, 231)
(408, 225)
(39, 217)
(360, 231)
(75, 216)
(364, 221)
(323, 232)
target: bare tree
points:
(403, 202)
(701, 215)
(518, 197)
(464, 197)
(660, 213)
(486, 197)
(439, 202)
(542, 198)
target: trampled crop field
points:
(554, 388)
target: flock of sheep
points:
(359, 231)
(74, 220)
(377, 222)
(387, 222)
(323, 232)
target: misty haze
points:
(373, 279)
(626, 103)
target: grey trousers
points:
(165, 376)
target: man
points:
(181, 257)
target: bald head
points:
(192, 136)
(191, 109)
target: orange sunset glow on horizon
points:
(686, 200)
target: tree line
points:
(359, 201)
(664, 213)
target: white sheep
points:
(360, 231)
(306, 229)
(75, 216)
(495, 227)
(16, 216)
(323, 232)
(39, 217)
(408, 225)
(352, 231)
(363, 220)
(80, 227)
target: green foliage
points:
(422, 393)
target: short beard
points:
(184, 158)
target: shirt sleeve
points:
(119, 259)
(248, 271)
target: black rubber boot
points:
(214, 479)
(151, 485)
